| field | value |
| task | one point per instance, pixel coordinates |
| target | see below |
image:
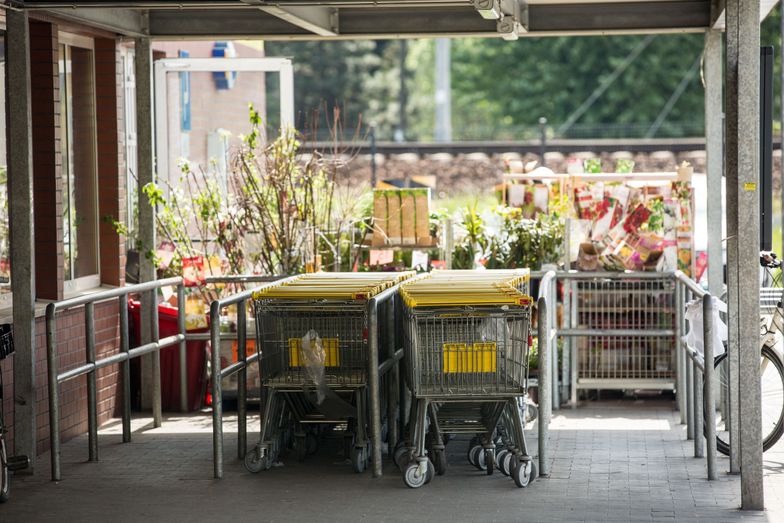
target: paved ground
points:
(620, 460)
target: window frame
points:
(76, 285)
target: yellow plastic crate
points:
(331, 348)
(460, 358)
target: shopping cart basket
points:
(313, 335)
(467, 342)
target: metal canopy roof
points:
(351, 19)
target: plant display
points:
(282, 212)
(503, 239)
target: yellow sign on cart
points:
(331, 348)
(461, 358)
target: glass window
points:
(78, 149)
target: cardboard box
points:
(407, 217)
(422, 203)
(393, 217)
(379, 217)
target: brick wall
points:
(48, 207)
(47, 175)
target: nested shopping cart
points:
(467, 343)
(315, 335)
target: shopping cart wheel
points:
(508, 464)
(480, 457)
(431, 472)
(500, 458)
(359, 459)
(254, 462)
(524, 471)
(439, 456)
(413, 478)
(489, 460)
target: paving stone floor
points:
(618, 460)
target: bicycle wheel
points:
(772, 388)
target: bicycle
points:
(771, 370)
(8, 464)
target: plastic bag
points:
(694, 316)
(313, 359)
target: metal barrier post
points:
(183, 348)
(92, 414)
(394, 376)
(680, 371)
(242, 380)
(373, 389)
(217, 398)
(710, 401)
(545, 399)
(54, 391)
(157, 411)
(699, 442)
(689, 398)
(125, 368)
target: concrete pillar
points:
(20, 209)
(742, 171)
(146, 174)
(714, 146)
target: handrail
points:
(154, 345)
(695, 373)
(239, 299)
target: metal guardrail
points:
(55, 378)
(547, 335)
(695, 373)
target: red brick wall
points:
(111, 161)
(48, 237)
(47, 182)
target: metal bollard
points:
(689, 397)
(699, 442)
(157, 410)
(125, 369)
(182, 348)
(54, 391)
(680, 364)
(373, 387)
(710, 400)
(545, 399)
(217, 397)
(92, 408)
(242, 380)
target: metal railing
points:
(123, 357)
(696, 397)
(548, 359)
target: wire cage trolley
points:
(313, 335)
(467, 342)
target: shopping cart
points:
(467, 342)
(314, 336)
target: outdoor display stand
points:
(627, 234)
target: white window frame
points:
(76, 285)
(282, 66)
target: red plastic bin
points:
(170, 359)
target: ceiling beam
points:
(322, 21)
(129, 22)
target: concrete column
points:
(742, 171)
(714, 145)
(146, 174)
(20, 209)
